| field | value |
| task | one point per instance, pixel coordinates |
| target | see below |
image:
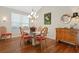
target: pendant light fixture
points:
(32, 16)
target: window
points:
(18, 20)
(24, 21)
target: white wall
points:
(56, 13)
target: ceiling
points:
(26, 9)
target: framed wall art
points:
(47, 18)
(66, 18)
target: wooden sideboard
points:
(66, 35)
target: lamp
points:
(75, 19)
(4, 19)
(32, 16)
(75, 14)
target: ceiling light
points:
(33, 15)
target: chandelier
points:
(32, 16)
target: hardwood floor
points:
(13, 46)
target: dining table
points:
(33, 34)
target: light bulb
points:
(32, 21)
(28, 16)
(35, 13)
(4, 18)
(31, 13)
(37, 16)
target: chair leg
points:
(46, 44)
(5, 36)
(21, 42)
(10, 36)
(41, 46)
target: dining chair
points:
(42, 37)
(38, 30)
(4, 34)
(24, 36)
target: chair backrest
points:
(21, 31)
(24, 30)
(3, 29)
(32, 29)
(39, 29)
(44, 31)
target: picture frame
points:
(47, 18)
(66, 18)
